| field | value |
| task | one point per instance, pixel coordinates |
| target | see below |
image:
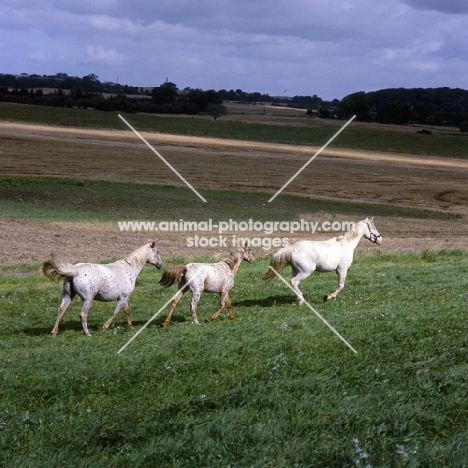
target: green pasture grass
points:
(47, 199)
(274, 387)
(312, 132)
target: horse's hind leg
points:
(295, 280)
(67, 296)
(84, 314)
(341, 284)
(174, 303)
(193, 306)
(183, 288)
(224, 302)
(122, 302)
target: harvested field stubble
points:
(432, 183)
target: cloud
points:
(106, 22)
(97, 53)
(325, 47)
(425, 66)
(444, 6)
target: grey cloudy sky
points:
(295, 47)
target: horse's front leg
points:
(121, 302)
(224, 302)
(127, 314)
(67, 297)
(341, 284)
(229, 306)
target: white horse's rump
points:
(109, 282)
(335, 254)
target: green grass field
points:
(51, 199)
(307, 132)
(275, 387)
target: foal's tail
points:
(171, 276)
(55, 269)
(278, 261)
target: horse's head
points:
(153, 256)
(371, 232)
(239, 254)
(247, 254)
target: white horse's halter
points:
(373, 237)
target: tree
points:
(355, 104)
(202, 99)
(165, 94)
(463, 126)
(325, 113)
(77, 93)
(395, 112)
(216, 110)
(90, 83)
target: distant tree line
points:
(89, 83)
(89, 92)
(424, 106)
(432, 106)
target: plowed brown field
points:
(435, 183)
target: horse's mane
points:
(231, 261)
(138, 256)
(351, 234)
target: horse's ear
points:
(153, 244)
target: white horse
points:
(335, 254)
(206, 277)
(108, 282)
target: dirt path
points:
(125, 137)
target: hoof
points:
(300, 303)
(325, 298)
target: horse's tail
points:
(278, 261)
(55, 269)
(171, 276)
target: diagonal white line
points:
(160, 157)
(315, 312)
(311, 159)
(157, 313)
